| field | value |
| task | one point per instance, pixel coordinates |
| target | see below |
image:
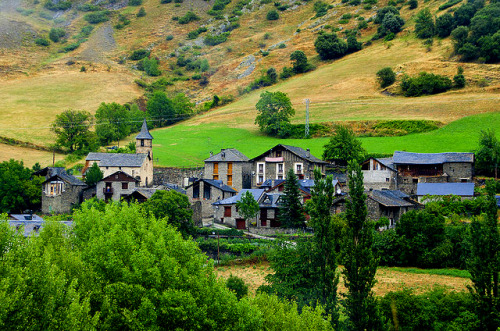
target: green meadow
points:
(188, 145)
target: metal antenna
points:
(307, 118)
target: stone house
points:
(116, 186)
(274, 164)
(206, 192)
(138, 165)
(60, 192)
(379, 174)
(463, 190)
(414, 168)
(388, 203)
(231, 167)
(225, 210)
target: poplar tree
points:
(292, 210)
(360, 264)
(484, 264)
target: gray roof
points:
(26, 217)
(228, 155)
(431, 158)
(144, 134)
(117, 159)
(216, 183)
(70, 179)
(460, 189)
(300, 152)
(272, 182)
(32, 227)
(390, 198)
(388, 162)
(257, 194)
(271, 200)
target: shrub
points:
(425, 83)
(449, 4)
(134, 2)
(282, 45)
(444, 25)
(386, 77)
(238, 286)
(321, 8)
(139, 54)
(61, 5)
(194, 34)
(141, 12)
(286, 73)
(42, 42)
(272, 15)
(329, 46)
(56, 34)
(165, 1)
(70, 47)
(413, 4)
(150, 67)
(353, 45)
(459, 78)
(169, 37)
(188, 17)
(212, 40)
(97, 17)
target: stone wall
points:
(175, 175)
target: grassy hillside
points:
(39, 82)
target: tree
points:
(141, 12)
(272, 15)
(93, 175)
(353, 45)
(112, 122)
(238, 286)
(161, 109)
(444, 25)
(72, 128)
(300, 63)
(488, 154)
(343, 146)
(183, 105)
(459, 36)
(360, 264)
(413, 4)
(459, 78)
(19, 190)
(424, 24)
(392, 23)
(386, 77)
(291, 210)
(56, 34)
(247, 206)
(329, 46)
(484, 263)
(174, 207)
(274, 112)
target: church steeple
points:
(144, 141)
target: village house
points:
(436, 190)
(388, 203)
(207, 191)
(226, 212)
(116, 186)
(379, 174)
(231, 167)
(138, 165)
(60, 191)
(414, 168)
(274, 164)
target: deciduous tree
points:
(488, 153)
(72, 128)
(343, 146)
(274, 112)
(93, 175)
(247, 206)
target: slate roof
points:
(70, 179)
(272, 182)
(49, 171)
(144, 133)
(300, 152)
(117, 159)
(460, 189)
(498, 200)
(30, 227)
(271, 200)
(26, 217)
(118, 172)
(216, 183)
(390, 198)
(257, 194)
(431, 158)
(388, 162)
(228, 155)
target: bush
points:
(56, 34)
(272, 15)
(329, 46)
(139, 54)
(165, 1)
(141, 12)
(449, 4)
(425, 83)
(444, 25)
(321, 8)
(150, 67)
(459, 78)
(61, 5)
(353, 45)
(42, 42)
(169, 37)
(238, 286)
(286, 73)
(194, 34)
(413, 4)
(70, 47)
(97, 17)
(212, 40)
(386, 77)
(134, 2)
(188, 17)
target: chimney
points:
(211, 154)
(308, 154)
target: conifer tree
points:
(360, 264)
(292, 211)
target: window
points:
(260, 168)
(260, 180)
(196, 191)
(124, 186)
(142, 142)
(230, 180)
(298, 168)
(216, 168)
(279, 168)
(227, 211)
(229, 168)
(280, 177)
(55, 188)
(278, 154)
(281, 188)
(387, 179)
(216, 177)
(206, 191)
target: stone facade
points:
(176, 176)
(59, 196)
(207, 192)
(377, 175)
(276, 162)
(115, 186)
(235, 174)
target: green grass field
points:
(187, 145)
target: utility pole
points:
(307, 119)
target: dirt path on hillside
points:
(99, 46)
